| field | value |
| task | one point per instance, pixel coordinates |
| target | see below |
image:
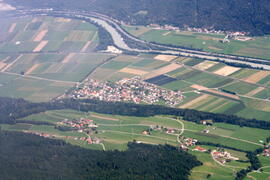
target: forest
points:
(234, 15)
(36, 157)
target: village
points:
(133, 90)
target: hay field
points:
(40, 46)
(254, 78)
(133, 71)
(166, 58)
(227, 70)
(205, 65)
(40, 35)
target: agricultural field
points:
(114, 132)
(206, 85)
(42, 57)
(257, 47)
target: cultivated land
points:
(43, 57)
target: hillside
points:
(235, 15)
(39, 158)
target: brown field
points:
(11, 64)
(87, 44)
(227, 70)
(103, 117)
(40, 35)
(68, 58)
(12, 27)
(165, 57)
(62, 19)
(34, 20)
(168, 68)
(133, 71)
(2, 65)
(40, 46)
(205, 65)
(29, 71)
(257, 76)
(199, 87)
(202, 88)
(223, 94)
(194, 101)
(255, 91)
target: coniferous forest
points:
(31, 157)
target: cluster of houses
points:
(187, 142)
(159, 128)
(80, 124)
(128, 90)
(222, 156)
(266, 152)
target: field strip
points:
(194, 101)
(205, 65)
(227, 70)
(2, 65)
(255, 91)
(40, 35)
(219, 107)
(12, 27)
(166, 69)
(39, 78)
(68, 57)
(87, 44)
(103, 117)
(254, 78)
(202, 88)
(11, 64)
(133, 71)
(29, 71)
(40, 46)
(166, 33)
(166, 58)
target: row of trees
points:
(12, 109)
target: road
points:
(120, 36)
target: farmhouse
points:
(199, 148)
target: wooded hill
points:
(26, 156)
(233, 15)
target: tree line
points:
(13, 109)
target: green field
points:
(116, 131)
(67, 58)
(258, 47)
